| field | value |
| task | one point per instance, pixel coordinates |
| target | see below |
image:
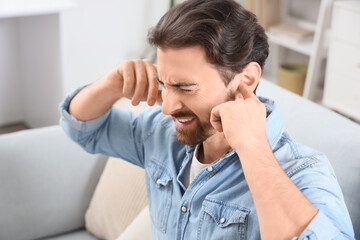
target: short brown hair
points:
(230, 35)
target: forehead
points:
(196, 53)
(184, 64)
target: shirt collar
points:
(274, 124)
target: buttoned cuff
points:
(321, 227)
(83, 126)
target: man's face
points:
(191, 89)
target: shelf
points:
(301, 23)
(314, 47)
(21, 8)
(301, 46)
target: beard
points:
(202, 129)
(197, 133)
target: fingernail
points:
(151, 102)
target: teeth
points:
(185, 120)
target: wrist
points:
(256, 154)
(252, 144)
(111, 86)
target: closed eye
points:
(158, 79)
(185, 90)
(182, 86)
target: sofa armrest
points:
(46, 183)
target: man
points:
(218, 162)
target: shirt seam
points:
(151, 131)
(311, 161)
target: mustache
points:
(183, 114)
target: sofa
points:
(48, 183)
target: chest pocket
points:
(159, 194)
(221, 220)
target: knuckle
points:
(141, 78)
(128, 76)
(127, 90)
(138, 62)
(128, 63)
(128, 80)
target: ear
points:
(250, 75)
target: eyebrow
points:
(178, 84)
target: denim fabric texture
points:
(218, 203)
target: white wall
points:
(97, 36)
(10, 88)
(40, 74)
(44, 57)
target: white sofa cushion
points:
(139, 229)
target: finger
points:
(128, 79)
(159, 96)
(215, 119)
(239, 96)
(141, 84)
(152, 83)
(246, 91)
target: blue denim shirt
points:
(218, 203)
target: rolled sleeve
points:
(321, 227)
(85, 133)
(67, 121)
(319, 185)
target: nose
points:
(171, 102)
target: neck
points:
(213, 148)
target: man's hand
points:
(132, 79)
(135, 80)
(243, 121)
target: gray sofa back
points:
(328, 132)
(46, 183)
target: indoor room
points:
(194, 89)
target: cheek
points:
(202, 109)
(211, 104)
(209, 101)
(202, 102)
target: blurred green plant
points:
(150, 51)
(171, 3)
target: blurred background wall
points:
(49, 47)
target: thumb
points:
(215, 119)
(159, 97)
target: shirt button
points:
(222, 220)
(158, 181)
(210, 169)
(183, 209)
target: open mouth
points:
(183, 122)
